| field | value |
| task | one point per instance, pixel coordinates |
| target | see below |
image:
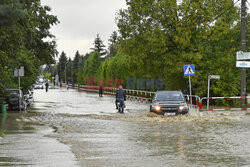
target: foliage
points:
(162, 36)
(158, 37)
(117, 67)
(91, 66)
(24, 26)
(47, 76)
(10, 12)
(76, 66)
(81, 63)
(99, 46)
(69, 71)
(63, 60)
(113, 48)
(80, 78)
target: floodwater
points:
(70, 128)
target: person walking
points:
(47, 86)
(100, 90)
(54, 81)
(67, 85)
(120, 97)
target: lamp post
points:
(65, 71)
(72, 79)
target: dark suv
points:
(15, 99)
(169, 103)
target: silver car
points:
(38, 86)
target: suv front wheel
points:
(150, 109)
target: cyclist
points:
(120, 97)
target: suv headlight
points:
(183, 107)
(157, 108)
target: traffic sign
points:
(214, 76)
(243, 64)
(189, 69)
(242, 55)
(16, 71)
(19, 72)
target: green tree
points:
(11, 11)
(76, 67)
(69, 70)
(99, 46)
(113, 48)
(168, 35)
(82, 60)
(63, 60)
(91, 66)
(24, 26)
(117, 67)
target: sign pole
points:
(188, 71)
(208, 88)
(19, 85)
(19, 73)
(243, 48)
(190, 90)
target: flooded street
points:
(68, 128)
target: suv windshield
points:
(169, 96)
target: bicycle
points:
(120, 107)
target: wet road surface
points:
(70, 128)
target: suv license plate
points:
(169, 114)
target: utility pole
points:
(243, 49)
(72, 79)
(65, 72)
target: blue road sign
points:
(189, 69)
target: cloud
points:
(81, 21)
(70, 47)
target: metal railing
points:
(225, 109)
(133, 95)
(146, 96)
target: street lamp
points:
(65, 71)
(72, 75)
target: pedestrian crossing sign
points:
(189, 69)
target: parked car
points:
(15, 99)
(38, 86)
(28, 94)
(169, 103)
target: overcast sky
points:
(81, 21)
